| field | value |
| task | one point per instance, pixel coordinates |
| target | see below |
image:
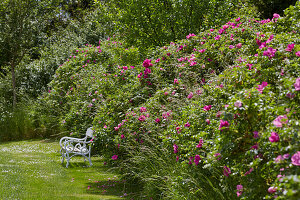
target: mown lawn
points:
(33, 170)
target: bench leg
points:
(62, 156)
(90, 159)
(68, 159)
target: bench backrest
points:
(89, 132)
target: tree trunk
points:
(13, 79)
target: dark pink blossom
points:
(175, 148)
(238, 19)
(239, 45)
(114, 157)
(142, 118)
(290, 95)
(226, 171)
(297, 53)
(270, 39)
(255, 134)
(248, 172)
(197, 159)
(218, 156)
(207, 121)
(207, 107)
(270, 52)
(223, 124)
(274, 137)
(261, 87)
(176, 81)
(290, 47)
(296, 159)
(217, 37)
(147, 63)
(200, 143)
(187, 124)
(255, 146)
(143, 109)
(157, 120)
(190, 35)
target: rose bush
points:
(213, 115)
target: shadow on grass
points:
(113, 187)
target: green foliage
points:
(155, 23)
(268, 7)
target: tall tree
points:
(23, 25)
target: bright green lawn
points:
(33, 170)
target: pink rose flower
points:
(239, 45)
(197, 159)
(226, 171)
(270, 52)
(142, 118)
(290, 47)
(157, 120)
(238, 104)
(275, 15)
(190, 35)
(255, 134)
(239, 190)
(272, 190)
(297, 84)
(296, 159)
(114, 157)
(207, 121)
(297, 53)
(187, 124)
(207, 108)
(143, 109)
(175, 147)
(200, 143)
(147, 63)
(217, 37)
(274, 137)
(223, 124)
(281, 119)
(190, 95)
(218, 156)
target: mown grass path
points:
(33, 170)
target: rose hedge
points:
(215, 114)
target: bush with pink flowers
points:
(212, 116)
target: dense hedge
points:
(215, 115)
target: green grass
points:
(33, 170)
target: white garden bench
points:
(75, 146)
